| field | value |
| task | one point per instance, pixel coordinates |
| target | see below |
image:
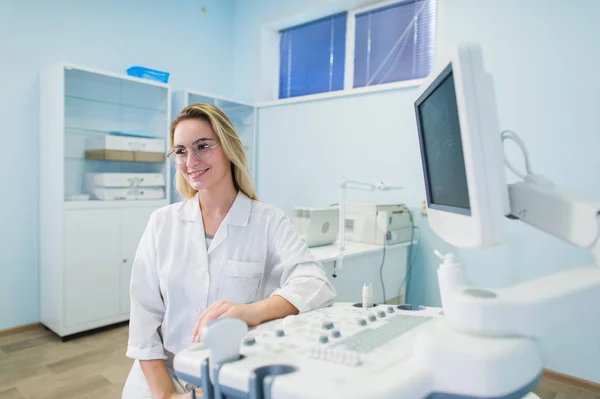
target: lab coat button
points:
(249, 341)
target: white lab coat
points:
(256, 253)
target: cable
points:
(510, 135)
(530, 177)
(381, 268)
(410, 260)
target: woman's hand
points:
(249, 313)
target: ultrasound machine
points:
(483, 343)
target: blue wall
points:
(541, 55)
(196, 47)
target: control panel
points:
(386, 351)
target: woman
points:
(219, 253)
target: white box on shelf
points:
(125, 148)
(108, 142)
(125, 143)
(111, 194)
(125, 179)
(149, 193)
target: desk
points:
(362, 264)
(328, 253)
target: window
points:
(394, 43)
(311, 57)
(390, 42)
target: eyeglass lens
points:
(201, 151)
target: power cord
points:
(410, 259)
(409, 256)
(381, 268)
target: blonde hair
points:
(230, 142)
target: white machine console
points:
(346, 351)
(485, 343)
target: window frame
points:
(268, 89)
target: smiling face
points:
(210, 167)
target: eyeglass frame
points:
(187, 149)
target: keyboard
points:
(371, 339)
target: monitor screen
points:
(441, 147)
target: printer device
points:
(377, 224)
(317, 226)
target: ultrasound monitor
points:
(461, 152)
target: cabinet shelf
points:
(117, 104)
(82, 131)
(236, 109)
(112, 161)
(98, 204)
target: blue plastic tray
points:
(147, 73)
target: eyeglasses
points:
(202, 151)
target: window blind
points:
(312, 57)
(395, 43)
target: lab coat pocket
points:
(241, 281)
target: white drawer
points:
(149, 193)
(125, 179)
(125, 143)
(111, 194)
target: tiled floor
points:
(37, 364)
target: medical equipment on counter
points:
(485, 344)
(345, 351)
(355, 185)
(377, 224)
(317, 226)
(468, 198)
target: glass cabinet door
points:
(114, 126)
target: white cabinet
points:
(98, 264)
(91, 266)
(242, 115)
(105, 133)
(133, 225)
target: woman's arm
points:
(296, 274)
(275, 307)
(253, 314)
(146, 317)
(158, 378)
